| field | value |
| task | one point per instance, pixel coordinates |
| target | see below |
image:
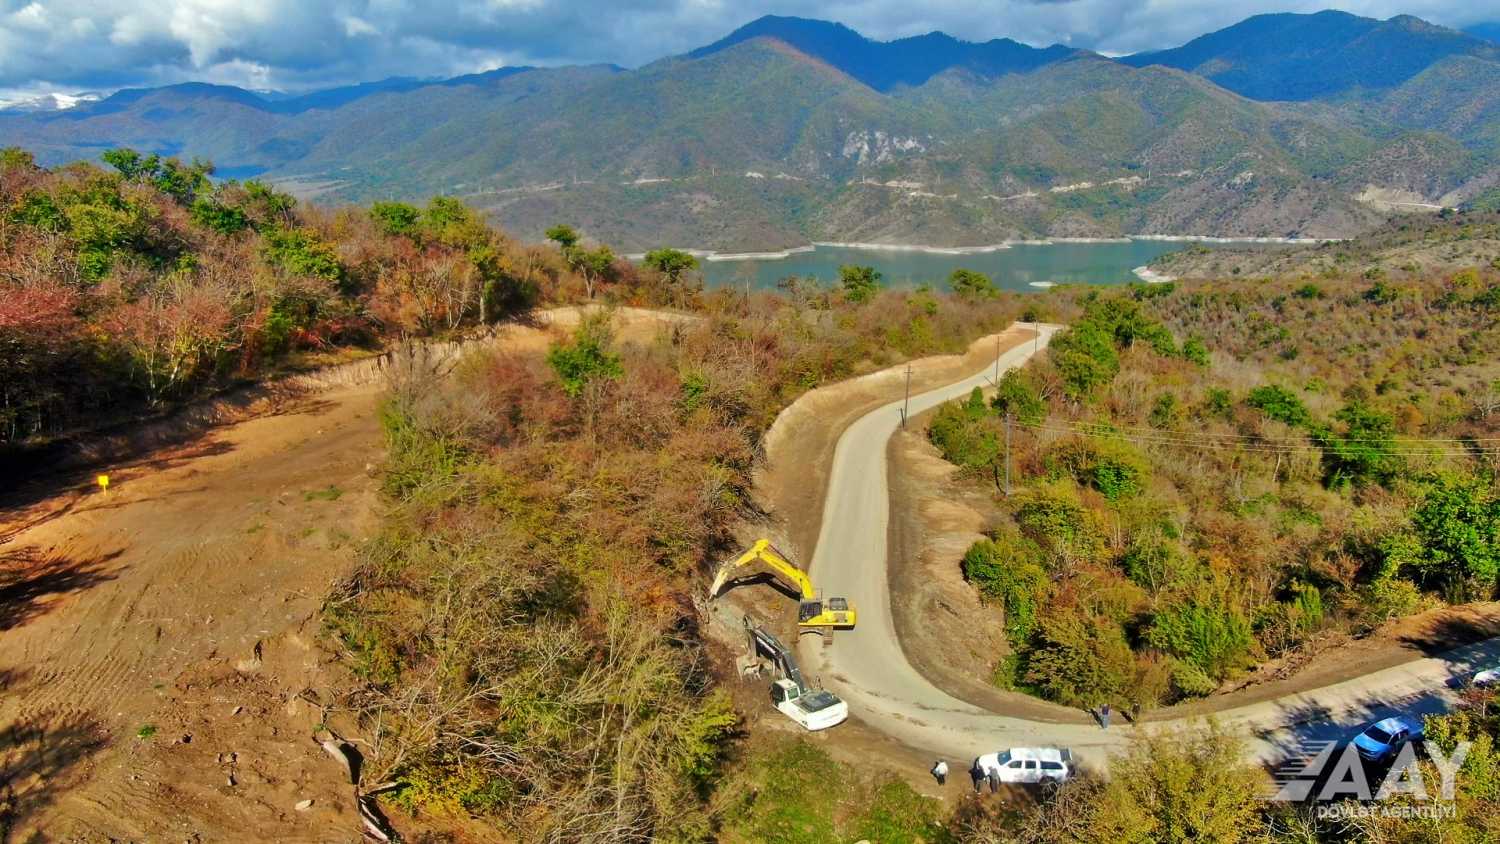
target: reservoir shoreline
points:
(782, 254)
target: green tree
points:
(672, 263)
(1204, 630)
(1079, 659)
(449, 221)
(267, 205)
(965, 433)
(595, 265)
(1018, 397)
(860, 284)
(1280, 404)
(1363, 452)
(224, 219)
(395, 218)
(302, 252)
(1085, 357)
(180, 181)
(563, 235)
(971, 284)
(1007, 571)
(1195, 350)
(1053, 514)
(15, 158)
(1110, 466)
(585, 360)
(1454, 535)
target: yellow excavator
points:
(813, 613)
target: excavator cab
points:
(813, 612)
(834, 612)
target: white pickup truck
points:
(1027, 765)
(814, 709)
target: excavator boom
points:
(763, 552)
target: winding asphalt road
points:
(868, 668)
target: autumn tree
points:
(1191, 785)
(173, 334)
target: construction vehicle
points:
(813, 613)
(813, 708)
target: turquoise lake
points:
(1015, 268)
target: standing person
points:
(940, 771)
(1135, 712)
(976, 773)
(994, 778)
(1104, 717)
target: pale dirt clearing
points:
(159, 654)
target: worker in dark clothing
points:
(1104, 717)
(976, 773)
(940, 771)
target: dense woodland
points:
(131, 288)
(1219, 474)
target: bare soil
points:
(118, 605)
(160, 656)
(947, 633)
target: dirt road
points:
(869, 669)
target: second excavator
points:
(814, 613)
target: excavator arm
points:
(763, 552)
(813, 613)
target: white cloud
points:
(355, 27)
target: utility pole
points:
(906, 401)
(1007, 452)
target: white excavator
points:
(813, 708)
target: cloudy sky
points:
(79, 45)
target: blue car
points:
(1383, 739)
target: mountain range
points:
(790, 130)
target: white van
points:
(1028, 764)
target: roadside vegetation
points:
(1195, 785)
(1215, 476)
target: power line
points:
(1261, 438)
(1247, 444)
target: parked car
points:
(1383, 739)
(1486, 678)
(1028, 764)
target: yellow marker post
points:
(103, 481)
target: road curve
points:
(868, 668)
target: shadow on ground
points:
(30, 577)
(37, 758)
